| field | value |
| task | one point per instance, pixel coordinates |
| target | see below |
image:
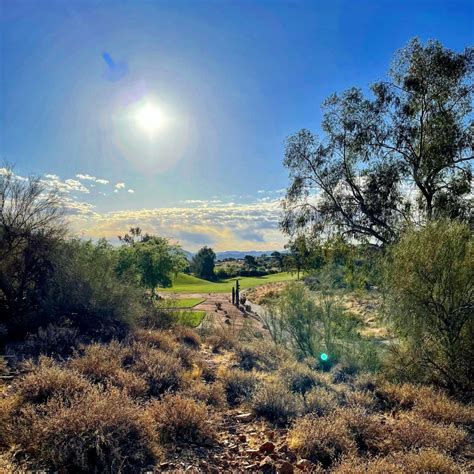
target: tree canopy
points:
(398, 158)
(203, 263)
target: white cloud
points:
(88, 177)
(131, 191)
(119, 185)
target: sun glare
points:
(149, 118)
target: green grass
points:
(185, 302)
(191, 318)
(190, 284)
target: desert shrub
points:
(222, 339)
(409, 431)
(299, 378)
(157, 339)
(86, 292)
(357, 465)
(53, 340)
(3, 366)
(312, 325)
(47, 380)
(100, 432)
(443, 409)
(366, 381)
(427, 460)
(161, 371)
(212, 394)
(261, 355)
(186, 355)
(188, 336)
(104, 364)
(154, 316)
(320, 401)
(429, 285)
(322, 440)
(182, 419)
(360, 399)
(276, 403)
(239, 385)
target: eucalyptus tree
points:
(399, 157)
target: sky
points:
(172, 115)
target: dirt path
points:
(222, 313)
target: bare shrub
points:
(360, 399)
(239, 385)
(53, 340)
(320, 401)
(411, 431)
(188, 336)
(428, 460)
(276, 403)
(209, 393)
(182, 419)
(357, 465)
(299, 378)
(162, 371)
(221, 339)
(49, 380)
(157, 339)
(100, 432)
(322, 440)
(261, 355)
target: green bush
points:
(430, 291)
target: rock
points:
(266, 465)
(245, 417)
(232, 429)
(267, 447)
(165, 465)
(283, 448)
(242, 438)
(291, 456)
(304, 464)
(286, 468)
(251, 467)
(253, 453)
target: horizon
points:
(172, 117)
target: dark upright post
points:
(237, 293)
(233, 295)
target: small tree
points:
(153, 259)
(430, 301)
(250, 262)
(203, 263)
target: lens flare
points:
(324, 357)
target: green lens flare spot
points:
(324, 356)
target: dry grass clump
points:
(182, 419)
(188, 336)
(299, 378)
(262, 355)
(276, 403)
(320, 401)
(404, 395)
(411, 462)
(221, 339)
(366, 382)
(212, 394)
(411, 431)
(322, 440)
(239, 386)
(157, 339)
(104, 364)
(443, 409)
(360, 399)
(48, 379)
(98, 432)
(161, 371)
(357, 465)
(427, 460)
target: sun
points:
(149, 118)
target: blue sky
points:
(231, 79)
